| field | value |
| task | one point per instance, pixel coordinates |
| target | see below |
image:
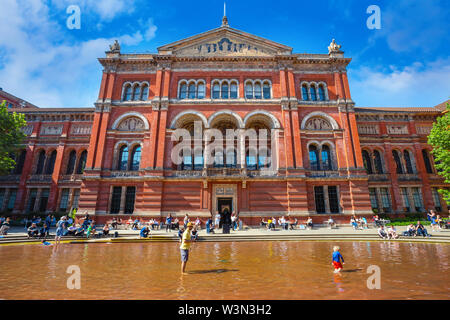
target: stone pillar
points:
(327, 199)
(122, 200)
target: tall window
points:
(20, 162)
(367, 162)
(321, 93)
(64, 200)
(333, 198)
(191, 91)
(249, 91)
(183, 91)
(72, 161)
(82, 162)
(233, 90)
(418, 202)
(216, 91)
(436, 199)
(32, 200)
(115, 199)
(385, 199)
(144, 92)
(405, 197)
(258, 91)
(326, 159)
(135, 158)
(76, 197)
(305, 92)
(231, 158)
(314, 158)
(319, 198)
(218, 159)
(377, 161)
(312, 91)
(136, 92)
(201, 91)
(123, 158)
(398, 163)
(373, 198)
(127, 93)
(41, 162)
(12, 199)
(266, 90)
(409, 167)
(51, 163)
(224, 90)
(251, 159)
(198, 159)
(426, 160)
(130, 197)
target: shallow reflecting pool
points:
(226, 270)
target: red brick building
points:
(326, 155)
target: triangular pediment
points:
(225, 41)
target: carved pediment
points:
(225, 41)
(318, 123)
(131, 124)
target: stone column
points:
(327, 199)
(122, 200)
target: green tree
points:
(439, 138)
(11, 137)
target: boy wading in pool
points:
(337, 258)
(185, 245)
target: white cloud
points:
(417, 85)
(40, 63)
(150, 30)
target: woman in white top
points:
(217, 220)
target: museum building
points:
(324, 155)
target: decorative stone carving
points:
(397, 129)
(368, 129)
(115, 47)
(334, 47)
(317, 123)
(131, 124)
(51, 130)
(425, 130)
(28, 129)
(86, 129)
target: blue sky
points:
(404, 64)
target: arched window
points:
(51, 163)
(72, 161)
(127, 93)
(312, 91)
(231, 158)
(326, 158)
(216, 91)
(144, 92)
(266, 90)
(233, 90)
(201, 91)
(20, 162)
(41, 162)
(249, 91)
(225, 94)
(426, 160)
(314, 158)
(409, 167)
(123, 158)
(82, 162)
(367, 162)
(258, 91)
(191, 91)
(136, 92)
(135, 158)
(321, 93)
(305, 92)
(378, 162)
(398, 163)
(183, 91)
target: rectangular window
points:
(32, 200)
(436, 199)
(115, 199)
(385, 199)
(2, 197)
(373, 198)
(418, 202)
(64, 200)
(12, 199)
(76, 196)
(319, 199)
(129, 200)
(333, 198)
(43, 200)
(405, 197)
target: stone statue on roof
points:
(115, 47)
(334, 47)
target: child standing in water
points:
(337, 258)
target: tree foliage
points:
(11, 137)
(439, 138)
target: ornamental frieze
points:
(51, 130)
(318, 124)
(397, 129)
(131, 124)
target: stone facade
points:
(319, 143)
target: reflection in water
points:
(226, 270)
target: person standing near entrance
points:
(185, 246)
(217, 221)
